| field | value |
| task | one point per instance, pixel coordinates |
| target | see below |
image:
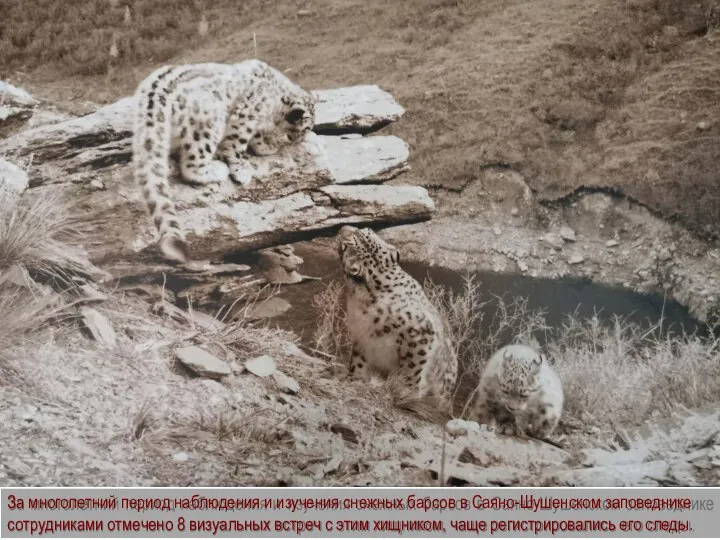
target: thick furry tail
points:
(428, 408)
(151, 154)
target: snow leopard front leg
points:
(200, 133)
(242, 126)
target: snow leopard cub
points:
(520, 393)
(211, 114)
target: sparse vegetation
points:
(41, 236)
(37, 242)
(636, 374)
(78, 36)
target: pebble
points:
(202, 362)
(286, 383)
(567, 234)
(553, 240)
(611, 243)
(262, 366)
(98, 326)
(576, 259)
(458, 426)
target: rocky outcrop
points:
(300, 192)
(16, 107)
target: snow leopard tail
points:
(152, 141)
(429, 407)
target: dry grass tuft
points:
(39, 236)
(22, 312)
(330, 336)
(36, 243)
(617, 374)
(236, 427)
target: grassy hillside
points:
(617, 95)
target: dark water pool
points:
(557, 298)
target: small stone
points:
(514, 211)
(286, 383)
(553, 240)
(181, 456)
(664, 254)
(13, 182)
(703, 126)
(522, 266)
(611, 243)
(304, 12)
(237, 369)
(346, 432)
(262, 366)
(97, 184)
(99, 326)
(567, 234)
(497, 231)
(576, 259)
(202, 362)
(671, 31)
(272, 307)
(458, 426)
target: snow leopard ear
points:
(296, 114)
(539, 359)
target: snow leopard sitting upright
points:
(210, 113)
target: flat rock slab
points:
(365, 159)
(202, 362)
(352, 108)
(272, 307)
(98, 326)
(262, 366)
(355, 108)
(235, 225)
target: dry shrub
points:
(236, 427)
(40, 236)
(21, 313)
(617, 374)
(36, 242)
(331, 337)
